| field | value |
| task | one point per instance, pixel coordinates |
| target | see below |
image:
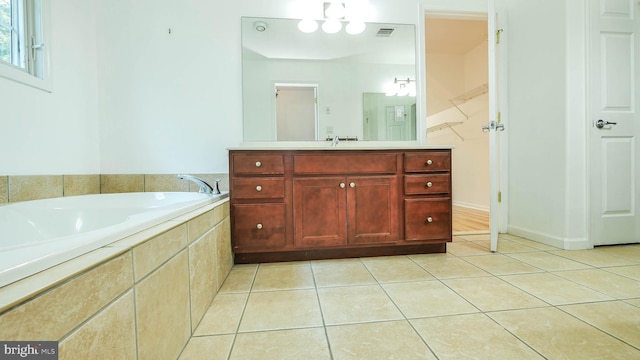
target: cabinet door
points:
(372, 209)
(319, 211)
(258, 226)
(427, 219)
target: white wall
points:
(545, 123)
(57, 132)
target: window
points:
(22, 48)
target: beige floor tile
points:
(628, 252)
(634, 302)
(527, 242)
(223, 316)
(427, 298)
(632, 271)
(554, 289)
(498, 264)
(341, 272)
(472, 336)
(492, 294)
(614, 285)
(284, 277)
(447, 266)
(466, 249)
(557, 335)
(396, 269)
(347, 305)
(281, 310)
(507, 246)
(213, 347)
(476, 237)
(380, 340)
(239, 280)
(307, 344)
(614, 317)
(593, 258)
(548, 262)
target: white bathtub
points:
(36, 235)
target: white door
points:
(495, 126)
(615, 100)
(296, 112)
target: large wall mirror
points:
(326, 85)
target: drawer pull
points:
(429, 219)
(258, 188)
(258, 164)
(342, 185)
(259, 226)
(352, 185)
(429, 162)
(428, 184)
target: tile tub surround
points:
(141, 297)
(14, 188)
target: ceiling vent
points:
(385, 32)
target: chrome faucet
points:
(335, 141)
(204, 187)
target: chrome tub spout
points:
(204, 187)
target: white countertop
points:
(343, 145)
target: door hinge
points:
(499, 117)
(498, 32)
(499, 196)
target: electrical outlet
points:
(329, 129)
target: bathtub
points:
(36, 235)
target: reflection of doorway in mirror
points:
(296, 112)
(391, 118)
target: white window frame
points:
(37, 70)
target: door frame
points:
(501, 100)
(316, 125)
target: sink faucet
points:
(335, 141)
(204, 187)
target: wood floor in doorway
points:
(470, 221)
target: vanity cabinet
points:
(315, 204)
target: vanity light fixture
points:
(332, 14)
(401, 87)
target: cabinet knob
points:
(429, 162)
(258, 188)
(259, 226)
(352, 185)
(428, 184)
(258, 164)
(342, 185)
(429, 219)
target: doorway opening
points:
(457, 108)
(296, 112)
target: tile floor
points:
(527, 301)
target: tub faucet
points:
(204, 187)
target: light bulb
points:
(308, 25)
(331, 26)
(355, 27)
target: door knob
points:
(258, 188)
(429, 219)
(342, 185)
(429, 184)
(352, 185)
(601, 123)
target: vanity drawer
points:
(258, 164)
(427, 219)
(427, 184)
(258, 188)
(427, 161)
(258, 226)
(341, 163)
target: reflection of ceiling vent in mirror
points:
(385, 32)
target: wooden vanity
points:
(308, 204)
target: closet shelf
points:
(446, 125)
(469, 95)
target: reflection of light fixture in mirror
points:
(401, 87)
(333, 13)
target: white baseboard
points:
(551, 240)
(471, 206)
